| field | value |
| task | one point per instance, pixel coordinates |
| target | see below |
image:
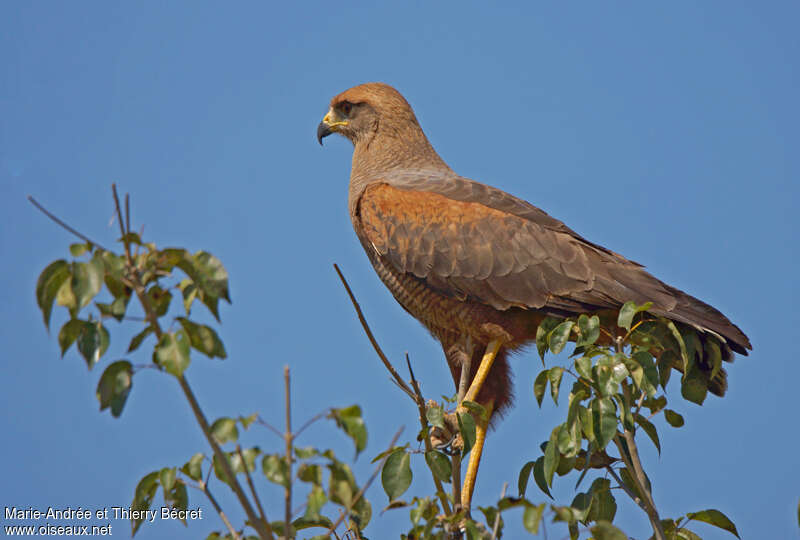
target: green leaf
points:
(304, 523)
(650, 429)
(276, 469)
(115, 309)
(539, 476)
(714, 357)
(581, 505)
(694, 385)
(435, 416)
(569, 440)
(246, 421)
(224, 430)
(558, 338)
(604, 530)
(649, 382)
(475, 408)
(47, 286)
(575, 400)
(65, 297)
(203, 338)
(143, 498)
(491, 515)
(524, 476)
(208, 275)
(439, 464)
(130, 238)
(715, 518)
(604, 506)
(194, 467)
(310, 473)
(139, 338)
(189, 292)
(627, 312)
(114, 386)
(542, 333)
(177, 498)
(604, 420)
(686, 534)
(387, 452)
(540, 385)
(609, 375)
(466, 425)
(681, 344)
(172, 352)
(93, 342)
(531, 518)
(583, 366)
(76, 250)
(551, 457)
(396, 474)
(674, 419)
(590, 330)
(159, 300)
(87, 280)
(167, 477)
(350, 421)
(587, 425)
(69, 333)
(554, 375)
(314, 503)
(473, 533)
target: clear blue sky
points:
(667, 132)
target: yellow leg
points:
(475, 458)
(483, 369)
(482, 424)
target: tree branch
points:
(289, 438)
(262, 527)
(44, 211)
(399, 380)
(200, 486)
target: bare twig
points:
(634, 467)
(260, 421)
(399, 380)
(496, 527)
(423, 420)
(361, 492)
(635, 498)
(640, 402)
(44, 211)
(463, 385)
(318, 416)
(289, 438)
(250, 484)
(204, 488)
(466, 368)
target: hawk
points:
(478, 267)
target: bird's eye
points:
(346, 107)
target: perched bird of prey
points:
(480, 268)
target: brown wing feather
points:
(505, 252)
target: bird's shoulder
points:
(441, 196)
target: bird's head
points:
(360, 112)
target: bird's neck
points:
(388, 150)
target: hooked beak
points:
(330, 124)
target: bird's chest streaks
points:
(439, 313)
